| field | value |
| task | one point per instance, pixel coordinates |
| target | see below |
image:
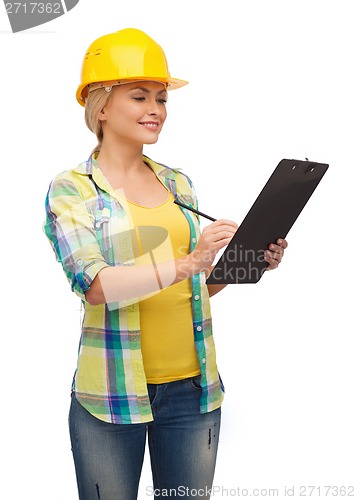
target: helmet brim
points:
(171, 84)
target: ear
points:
(102, 114)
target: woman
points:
(137, 260)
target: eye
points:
(162, 101)
(139, 99)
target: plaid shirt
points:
(82, 214)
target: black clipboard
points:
(271, 217)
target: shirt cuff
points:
(85, 275)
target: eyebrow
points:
(144, 89)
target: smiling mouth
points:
(150, 125)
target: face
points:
(135, 113)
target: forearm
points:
(117, 283)
(120, 283)
(214, 289)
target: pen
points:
(195, 211)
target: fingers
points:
(223, 228)
(220, 231)
(214, 237)
(283, 243)
(230, 224)
(275, 253)
(272, 261)
(223, 234)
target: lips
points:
(150, 125)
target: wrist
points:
(186, 267)
(198, 265)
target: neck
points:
(120, 158)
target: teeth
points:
(151, 125)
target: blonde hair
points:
(94, 103)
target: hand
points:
(213, 238)
(275, 253)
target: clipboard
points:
(271, 217)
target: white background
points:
(268, 80)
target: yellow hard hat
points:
(123, 56)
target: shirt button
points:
(197, 297)
(79, 262)
(203, 360)
(199, 328)
(194, 240)
(97, 225)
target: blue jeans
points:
(182, 442)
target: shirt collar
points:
(88, 167)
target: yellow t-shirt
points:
(166, 320)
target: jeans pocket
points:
(195, 382)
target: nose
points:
(153, 107)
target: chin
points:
(151, 141)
